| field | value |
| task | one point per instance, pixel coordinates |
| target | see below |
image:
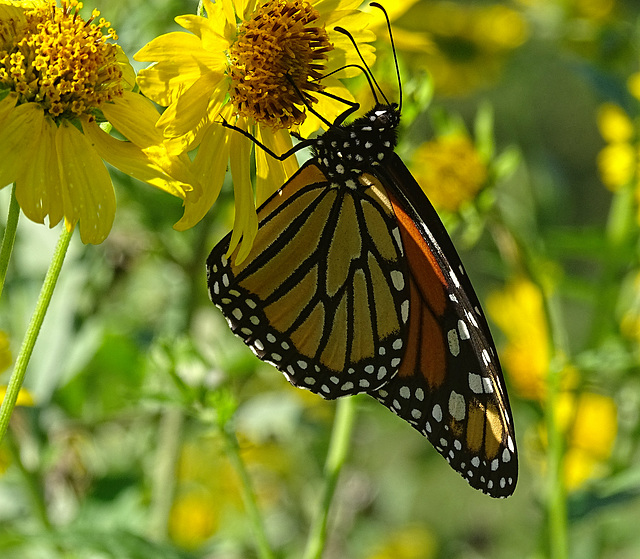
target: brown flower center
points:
(276, 48)
(51, 56)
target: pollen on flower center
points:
(278, 47)
(53, 57)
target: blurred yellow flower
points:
(450, 171)
(518, 312)
(614, 124)
(617, 164)
(471, 42)
(234, 67)
(410, 542)
(59, 78)
(24, 396)
(584, 9)
(208, 488)
(194, 517)
(619, 160)
(590, 424)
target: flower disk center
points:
(51, 56)
(278, 47)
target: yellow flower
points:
(614, 124)
(60, 77)
(590, 424)
(411, 542)
(194, 517)
(618, 161)
(450, 171)
(518, 311)
(617, 165)
(250, 64)
(471, 42)
(24, 396)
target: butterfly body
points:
(353, 286)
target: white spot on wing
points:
(457, 406)
(397, 278)
(464, 331)
(475, 383)
(454, 343)
(454, 278)
(437, 413)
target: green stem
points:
(557, 494)
(164, 478)
(20, 369)
(336, 457)
(32, 481)
(9, 236)
(248, 493)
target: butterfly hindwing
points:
(322, 295)
(449, 385)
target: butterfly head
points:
(349, 150)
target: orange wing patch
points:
(426, 349)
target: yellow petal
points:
(128, 73)
(185, 121)
(245, 223)
(135, 118)
(87, 191)
(17, 134)
(38, 188)
(202, 28)
(181, 60)
(7, 105)
(271, 174)
(131, 160)
(210, 168)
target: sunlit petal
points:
(18, 133)
(245, 224)
(87, 192)
(131, 160)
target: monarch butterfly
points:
(354, 286)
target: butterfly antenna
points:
(368, 73)
(362, 69)
(393, 48)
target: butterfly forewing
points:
(449, 385)
(323, 294)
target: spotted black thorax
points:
(349, 150)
